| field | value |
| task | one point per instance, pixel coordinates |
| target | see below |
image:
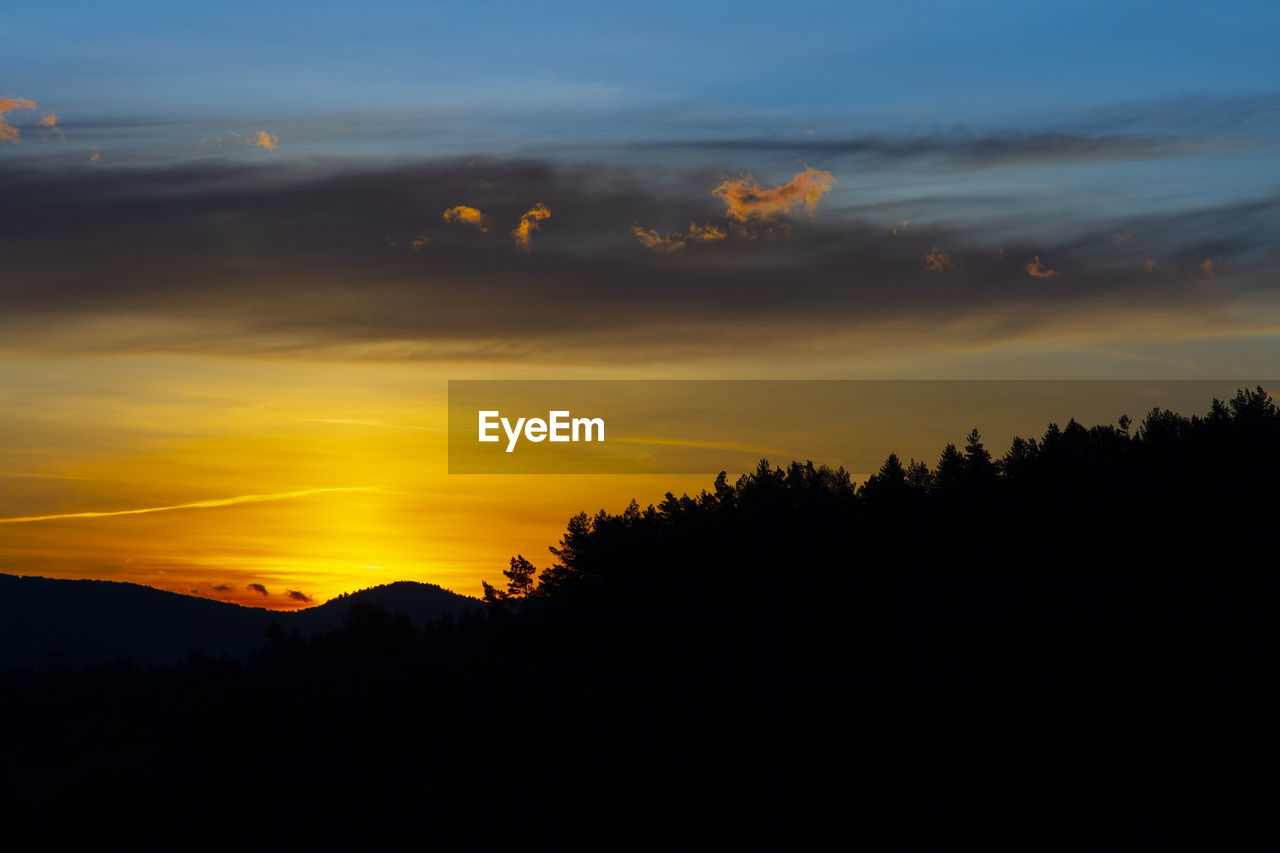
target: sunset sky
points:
(245, 246)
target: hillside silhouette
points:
(1065, 647)
(63, 623)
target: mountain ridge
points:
(63, 622)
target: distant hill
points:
(46, 621)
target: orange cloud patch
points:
(419, 243)
(523, 232)
(468, 216)
(705, 233)
(94, 157)
(9, 133)
(936, 260)
(262, 139)
(653, 240)
(49, 126)
(1038, 270)
(748, 200)
(676, 241)
(1206, 268)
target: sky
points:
(243, 247)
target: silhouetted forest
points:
(1066, 647)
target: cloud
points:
(222, 587)
(704, 233)
(258, 588)
(49, 126)
(963, 151)
(299, 596)
(936, 260)
(676, 241)
(1035, 269)
(419, 243)
(523, 232)
(468, 216)
(206, 504)
(94, 157)
(262, 139)
(8, 103)
(746, 199)
(91, 257)
(1206, 268)
(655, 241)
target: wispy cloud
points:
(367, 422)
(655, 241)
(262, 139)
(746, 199)
(39, 476)
(206, 504)
(523, 233)
(49, 126)
(8, 103)
(1035, 269)
(839, 278)
(466, 215)
(675, 241)
(936, 260)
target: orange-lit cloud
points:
(49, 126)
(468, 216)
(747, 199)
(1038, 270)
(9, 133)
(269, 141)
(1151, 265)
(207, 504)
(936, 260)
(676, 241)
(902, 227)
(655, 241)
(94, 157)
(1206, 268)
(258, 588)
(705, 233)
(523, 232)
(419, 243)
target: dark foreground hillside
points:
(54, 623)
(1070, 647)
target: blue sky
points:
(894, 63)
